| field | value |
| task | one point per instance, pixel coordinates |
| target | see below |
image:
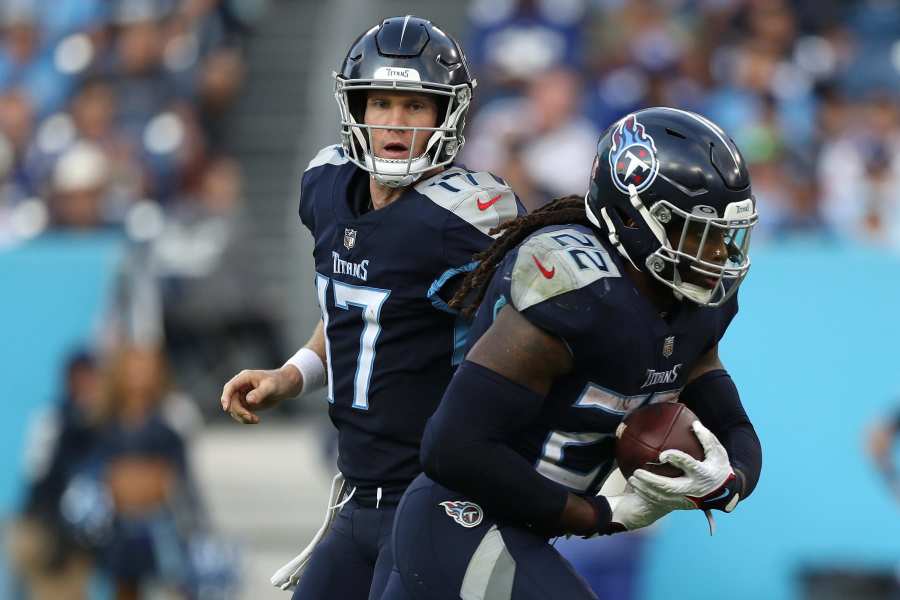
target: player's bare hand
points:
(253, 390)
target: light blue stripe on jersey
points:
(446, 276)
(460, 340)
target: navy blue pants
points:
(446, 547)
(354, 559)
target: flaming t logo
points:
(467, 514)
(632, 157)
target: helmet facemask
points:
(686, 266)
(681, 263)
(444, 141)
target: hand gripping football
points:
(649, 430)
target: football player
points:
(587, 310)
(395, 224)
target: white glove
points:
(633, 511)
(704, 484)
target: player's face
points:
(714, 250)
(402, 109)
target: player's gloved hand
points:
(631, 511)
(253, 390)
(704, 485)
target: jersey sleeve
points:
(330, 155)
(552, 283)
(475, 203)
(307, 216)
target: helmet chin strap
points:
(691, 291)
(610, 228)
(654, 225)
(396, 173)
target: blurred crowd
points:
(106, 105)
(110, 490)
(113, 118)
(807, 88)
(112, 122)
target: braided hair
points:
(561, 211)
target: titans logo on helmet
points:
(467, 514)
(632, 157)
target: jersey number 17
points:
(369, 301)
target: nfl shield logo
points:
(669, 346)
(349, 238)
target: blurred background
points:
(150, 157)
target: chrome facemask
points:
(733, 228)
(444, 141)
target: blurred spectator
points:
(79, 187)
(7, 194)
(639, 44)
(513, 40)
(17, 125)
(859, 173)
(25, 62)
(880, 443)
(540, 142)
(44, 551)
(135, 501)
(875, 59)
(211, 322)
(93, 111)
(219, 81)
(185, 282)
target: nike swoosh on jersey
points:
(544, 271)
(489, 203)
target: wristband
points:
(311, 368)
(603, 524)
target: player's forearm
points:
(745, 454)
(464, 449)
(306, 370)
(316, 341)
(714, 398)
(495, 477)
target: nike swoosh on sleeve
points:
(489, 203)
(544, 271)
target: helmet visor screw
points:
(664, 215)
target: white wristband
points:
(311, 369)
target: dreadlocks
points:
(561, 211)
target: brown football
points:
(649, 430)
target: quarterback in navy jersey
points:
(587, 310)
(395, 225)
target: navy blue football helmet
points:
(404, 53)
(662, 175)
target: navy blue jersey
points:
(564, 280)
(391, 340)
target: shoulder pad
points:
(480, 198)
(329, 155)
(555, 262)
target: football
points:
(649, 430)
